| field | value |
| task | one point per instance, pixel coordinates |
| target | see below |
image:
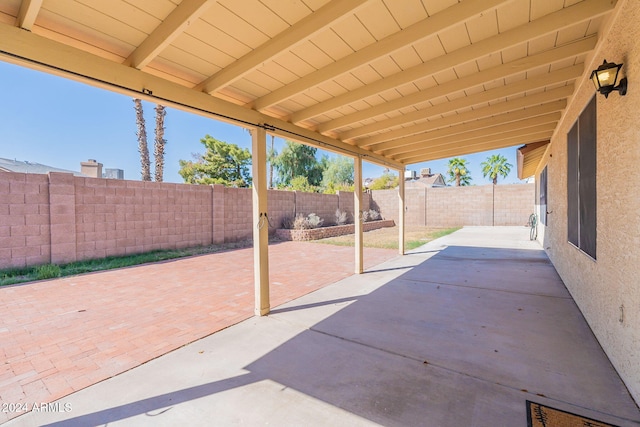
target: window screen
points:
(543, 196)
(581, 181)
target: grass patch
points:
(51, 271)
(412, 244)
(48, 271)
(444, 231)
(387, 238)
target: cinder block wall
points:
(115, 217)
(60, 218)
(345, 202)
(281, 204)
(512, 206)
(25, 234)
(386, 202)
(458, 206)
(323, 205)
(416, 207)
(486, 205)
(238, 211)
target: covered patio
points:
(389, 82)
(460, 332)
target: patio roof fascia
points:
(529, 157)
(27, 49)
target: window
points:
(581, 181)
(543, 196)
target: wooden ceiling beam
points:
(587, 9)
(461, 150)
(289, 38)
(169, 29)
(489, 120)
(429, 125)
(443, 20)
(553, 100)
(28, 13)
(490, 126)
(491, 74)
(555, 77)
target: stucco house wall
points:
(607, 290)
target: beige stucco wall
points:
(602, 287)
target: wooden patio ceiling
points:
(395, 81)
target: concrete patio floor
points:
(461, 332)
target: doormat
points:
(539, 415)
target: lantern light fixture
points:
(605, 78)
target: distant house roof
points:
(435, 180)
(8, 165)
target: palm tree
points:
(459, 171)
(143, 148)
(495, 165)
(158, 153)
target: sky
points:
(59, 122)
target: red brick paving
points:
(62, 335)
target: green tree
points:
(385, 181)
(297, 160)
(459, 171)
(222, 163)
(495, 165)
(338, 173)
(300, 183)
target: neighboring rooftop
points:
(436, 180)
(8, 165)
(426, 178)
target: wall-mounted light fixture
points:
(605, 78)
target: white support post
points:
(260, 222)
(357, 213)
(401, 207)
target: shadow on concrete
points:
(463, 338)
(161, 403)
(316, 304)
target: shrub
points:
(314, 220)
(341, 217)
(301, 223)
(48, 271)
(288, 222)
(371, 215)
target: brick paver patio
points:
(62, 335)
